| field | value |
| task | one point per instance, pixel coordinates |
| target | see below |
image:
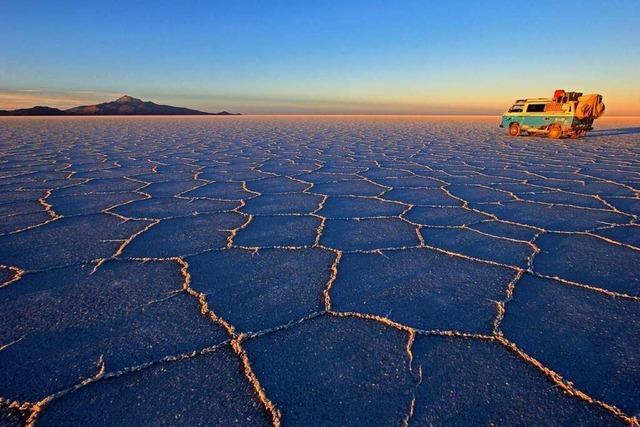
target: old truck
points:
(569, 114)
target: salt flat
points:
(317, 271)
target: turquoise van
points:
(569, 114)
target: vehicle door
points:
(535, 116)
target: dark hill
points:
(34, 111)
(123, 106)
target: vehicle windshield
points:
(517, 107)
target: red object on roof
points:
(558, 95)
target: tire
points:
(514, 129)
(555, 131)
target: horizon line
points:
(617, 116)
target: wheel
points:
(514, 129)
(555, 131)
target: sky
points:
(319, 57)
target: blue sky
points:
(319, 56)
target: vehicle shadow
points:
(613, 132)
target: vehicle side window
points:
(516, 108)
(535, 108)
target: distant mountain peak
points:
(126, 98)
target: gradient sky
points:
(305, 56)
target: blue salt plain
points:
(317, 271)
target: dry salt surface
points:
(317, 271)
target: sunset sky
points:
(338, 57)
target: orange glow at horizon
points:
(618, 102)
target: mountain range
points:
(124, 106)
